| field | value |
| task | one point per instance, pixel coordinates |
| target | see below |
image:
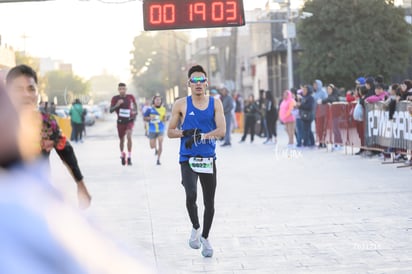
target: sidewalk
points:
(311, 211)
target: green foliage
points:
(157, 62)
(24, 59)
(345, 39)
(66, 87)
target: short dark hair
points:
(408, 84)
(379, 86)
(121, 85)
(196, 68)
(362, 90)
(394, 86)
(20, 70)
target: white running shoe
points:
(194, 241)
(207, 250)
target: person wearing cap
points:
(214, 93)
(360, 81)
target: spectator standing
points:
(333, 97)
(370, 87)
(286, 114)
(239, 106)
(359, 117)
(380, 95)
(297, 94)
(306, 115)
(77, 114)
(261, 106)
(405, 90)
(319, 94)
(271, 116)
(227, 102)
(250, 111)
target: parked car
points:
(97, 111)
(90, 119)
(61, 113)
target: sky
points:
(93, 36)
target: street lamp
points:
(290, 33)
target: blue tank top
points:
(203, 120)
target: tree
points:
(24, 59)
(157, 62)
(66, 87)
(345, 39)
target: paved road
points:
(312, 211)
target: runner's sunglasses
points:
(200, 79)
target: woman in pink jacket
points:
(285, 114)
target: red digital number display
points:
(188, 14)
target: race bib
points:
(124, 113)
(154, 118)
(201, 165)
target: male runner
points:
(126, 109)
(203, 122)
(21, 84)
(156, 116)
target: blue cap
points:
(360, 81)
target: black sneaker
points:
(129, 161)
(360, 152)
(158, 163)
(123, 160)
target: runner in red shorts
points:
(126, 109)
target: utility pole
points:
(289, 29)
(24, 37)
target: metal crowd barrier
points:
(335, 125)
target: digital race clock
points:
(187, 14)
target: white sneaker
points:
(194, 241)
(207, 250)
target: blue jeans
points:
(299, 129)
(307, 134)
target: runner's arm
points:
(135, 108)
(172, 130)
(146, 115)
(114, 105)
(220, 121)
